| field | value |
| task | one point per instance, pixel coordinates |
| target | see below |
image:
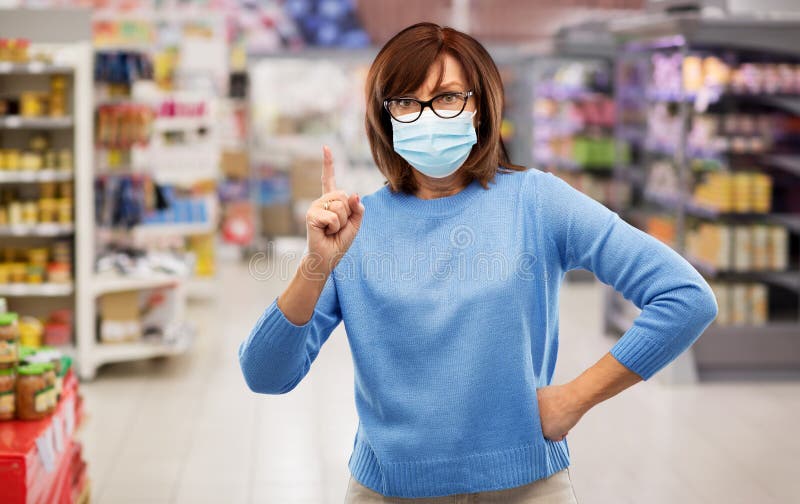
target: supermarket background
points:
(156, 162)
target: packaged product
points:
(739, 304)
(65, 159)
(65, 210)
(758, 304)
(779, 248)
(25, 353)
(37, 256)
(50, 379)
(33, 394)
(30, 332)
(9, 340)
(52, 357)
(31, 104)
(58, 328)
(58, 272)
(743, 248)
(7, 393)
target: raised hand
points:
(333, 220)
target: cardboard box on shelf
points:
(276, 220)
(120, 319)
(235, 164)
(306, 178)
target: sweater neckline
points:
(445, 205)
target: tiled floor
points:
(187, 430)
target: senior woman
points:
(447, 282)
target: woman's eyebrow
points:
(449, 85)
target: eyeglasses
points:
(445, 105)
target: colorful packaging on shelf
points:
(760, 247)
(8, 385)
(742, 240)
(33, 392)
(779, 248)
(739, 304)
(757, 296)
(722, 294)
(9, 340)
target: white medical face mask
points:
(435, 146)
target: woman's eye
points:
(405, 103)
(448, 99)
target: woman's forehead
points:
(445, 74)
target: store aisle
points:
(187, 429)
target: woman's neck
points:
(431, 188)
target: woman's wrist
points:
(602, 381)
(300, 298)
(314, 268)
(581, 398)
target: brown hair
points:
(402, 66)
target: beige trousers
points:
(557, 489)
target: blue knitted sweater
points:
(450, 307)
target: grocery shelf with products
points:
(573, 124)
(713, 123)
(45, 152)
(139, 286)
(43, 148)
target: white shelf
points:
(37, 230)
(182, 229)
(33, 67)
(105, 353)
(105, 284)
(178, 123)
(44, 175)
(35, 290)
(186, 178)
(18, 122)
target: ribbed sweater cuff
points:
(279, 333)
(641, 353)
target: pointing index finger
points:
(328, 180)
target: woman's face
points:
(453, 79)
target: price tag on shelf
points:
(69, 417)
(13, 122)
(5, 67)
(44, 444)
(58, 433)
(35, 67)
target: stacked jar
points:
(35, 391)
(9, 356)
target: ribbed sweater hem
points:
(478, 472)
(640, 353)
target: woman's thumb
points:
(356, 209)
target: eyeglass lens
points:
(446, 106)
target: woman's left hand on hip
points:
(558, 411)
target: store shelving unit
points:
(72, 132)
(768, 347)
(176, 333)
(186, 165)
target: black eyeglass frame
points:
(465, 95)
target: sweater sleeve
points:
(677, 303)
(277, 354)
